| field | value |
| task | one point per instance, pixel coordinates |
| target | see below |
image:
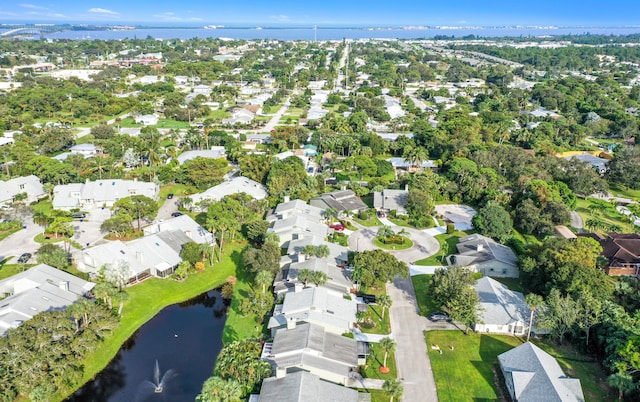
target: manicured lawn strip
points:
(588, 370)
(145, 301)
(512, 283)
(621, 191)
(7, 270)
(421, 284)
(466, 373)
(401, 222)
(179, 190)
(372, 221)
(43, 206)
(382, 327)
(6, 233)
(393, 246)
(377, 395)
(448, 244)
(238, 326)
(375, 360)
(609, 216)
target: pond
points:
(167, 359)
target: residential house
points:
(155, 255)
(622, 252)
(239, 116)
(186, 225)
(289, 209)
(393, 107)
(337, 253)
(86, 150)
(564, 232)
(215, 152)
(309, 347)
(502, 311)
(29, 185)
(598, 164)
(236, 185)
(391, 200)
(405, 165)
(341, 200)
(147, 119)
(533, 375)
(482, 254)
(38, 289)
(100, 193)
(315, 305)
(338, 278)
(296, 227)
(303, 386)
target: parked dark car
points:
(381, 214)
(369, 299)
(176, 214)
(24, 258)
(79, 215)
(439, 316)
(169, 196)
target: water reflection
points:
(183, 339)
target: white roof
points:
(537, 376)
(213, 153)
(101, 191)
(239, 184)
(26, 184)
(184, 224)
(499, 304)
(40, 288)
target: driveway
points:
(407, 326)
(21, 242)
(424, 245)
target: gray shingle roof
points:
(391, 200)
(342, 200)
(475, 248)
(537, 376)
(500, 305)
(304, 387)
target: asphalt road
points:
(412, 360)
(424, 245)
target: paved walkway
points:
(366, 383)
(375, 338)
(412, 360)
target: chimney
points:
(139, 256)
(291, 323)
(297, 288)
(281, 372)
(406, 187)
(188, 233)
(64, 285)
(287, 198)
(479, 247)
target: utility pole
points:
(315, 33)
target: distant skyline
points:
(329, 12)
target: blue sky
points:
(328, 12)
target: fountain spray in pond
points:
(159, 383)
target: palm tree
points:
(385, 232)
(416, 156)
(322, 251)
(217, 389)
(319, 278)
(623, 381)
(330, 214)
(535, 302)
(309, 250)
(387, 345)
(362, 316)
(393, 388)
(594, 223)
(264, 278)
(385, 302)
(403, 233)
(304, 276)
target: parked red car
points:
(337, 226)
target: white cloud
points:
(33, 6)
(168, 16)
(280, 17)
(97, 10)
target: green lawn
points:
(621, 191)
(466, 373)
(393, 246)
(219, 114)
(421, 284)
(145, 301)
(8, 232)
(374, 362)
(45, 207)
(609, 216)
(179, 190)
(380, 326)
(7, 270)
(238, 326)
(448, 244)
(512, 283)
(372, 221)
(590, 373)
(377, 395)
(171, 123)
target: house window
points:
(22, 187)
(518, 329)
